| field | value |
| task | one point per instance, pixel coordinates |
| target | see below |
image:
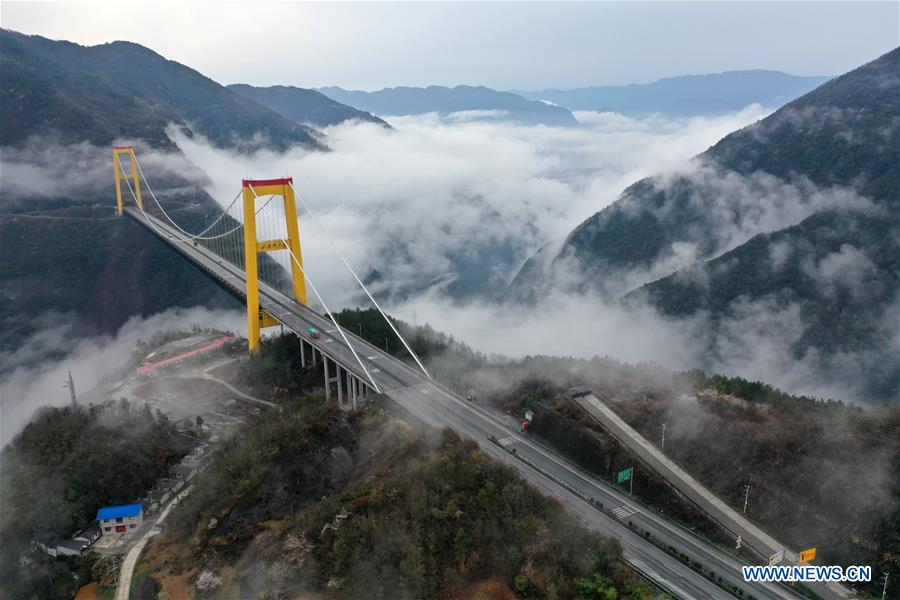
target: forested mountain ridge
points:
(303, 105)
(826, 162)
(844, 134)
(122, 90)
(489, 104)
(685, 95)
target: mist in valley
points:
(446, 210)
(92, 360)
(440, 213)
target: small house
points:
(167, 484)
(71, 547)
(120, 519)
(89, 535)
(184, 473)
(59, 547)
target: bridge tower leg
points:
(302, 353)
(118, 151)
(253, 189)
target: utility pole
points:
(662, 445)
(360, 329)
(746, 496)
(70, 384)
(385, 345)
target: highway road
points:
(432, 404)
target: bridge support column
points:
(339, 386)
(354, 386)
(302, 353)
(327, 379)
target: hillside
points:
(59, 470)
(486, 103)
(71, 94)
(829, 156)
(123, 271)
(314, 500)
(307, 107)
(63, 106)
(685, 95)
(839, 270)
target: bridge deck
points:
(436, 406)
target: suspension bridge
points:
(252, 250)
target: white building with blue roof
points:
(120, 519)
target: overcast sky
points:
(502, 45)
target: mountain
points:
(479, 102)
(686, 95)
(797, 211)
(307, 107)
(122, 90)
(64, 105)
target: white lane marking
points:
(624, 511)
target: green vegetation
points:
(310, 498)
(756, 391)
(59, 470)
(274, 373)
(435, 518)
(822, 473)
(465, 518)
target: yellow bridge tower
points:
(128, 151)
(257, 318)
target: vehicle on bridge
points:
(314, 333)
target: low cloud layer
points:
(460, 202)
(436, 200)
(91, 360)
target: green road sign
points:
(625, 475)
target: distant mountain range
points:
(304, 106)
(686, 95)
(124, 91)
(469, 102)
(798, 210)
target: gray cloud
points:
(91, 360)
(432, 201)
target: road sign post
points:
(626, 475)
